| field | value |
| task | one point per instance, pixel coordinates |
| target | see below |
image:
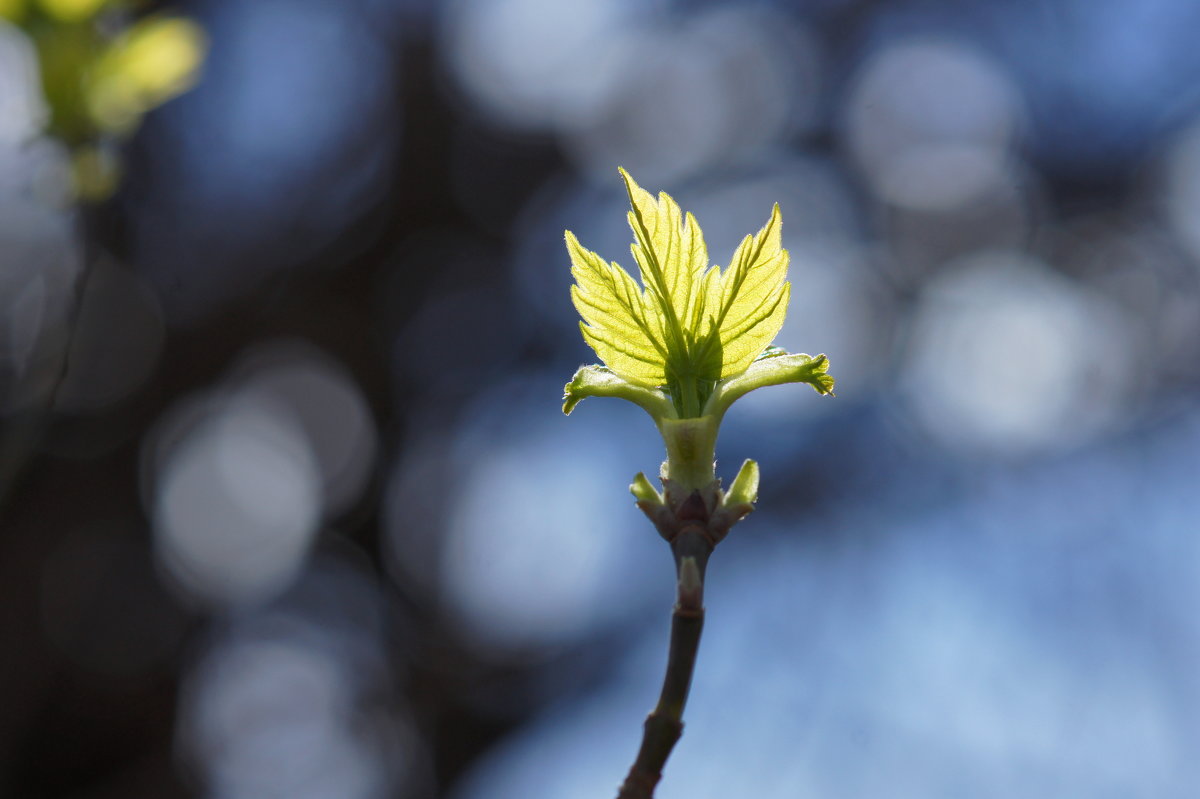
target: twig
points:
(664, 726)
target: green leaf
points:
(688, 324)
(774, 367)
(688, 328)
(616, 323)
(158, 58)
(71, 11)
(597, 381)
(670, 253)
(754, 297)
(12, 10)
(689, 340)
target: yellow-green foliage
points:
(689, 324)
(102, 70)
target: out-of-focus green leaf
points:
(100, 75)
(13, 10)
(72, 10)
(155, 60)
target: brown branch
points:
(664, 726)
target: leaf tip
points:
(821, 380)
(630, 183)
(633, 190)
(575, 391)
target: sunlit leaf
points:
(599, 381)
(688, 341)
(616, 322)
(687, 325)
(670, 252)
(773, 368)
(754, 297)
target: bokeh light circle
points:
(237, 504)
(1006, 357)
(930, 121)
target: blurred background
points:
(289, 508)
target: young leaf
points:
(754, 297)
(615, 320)
(598, 381)
(671, 255)
(688, 327)
(774, 367)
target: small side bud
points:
(643, 491)
(744, 490)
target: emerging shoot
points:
(683, 344)
(690, 338)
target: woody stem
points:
(664, 725)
